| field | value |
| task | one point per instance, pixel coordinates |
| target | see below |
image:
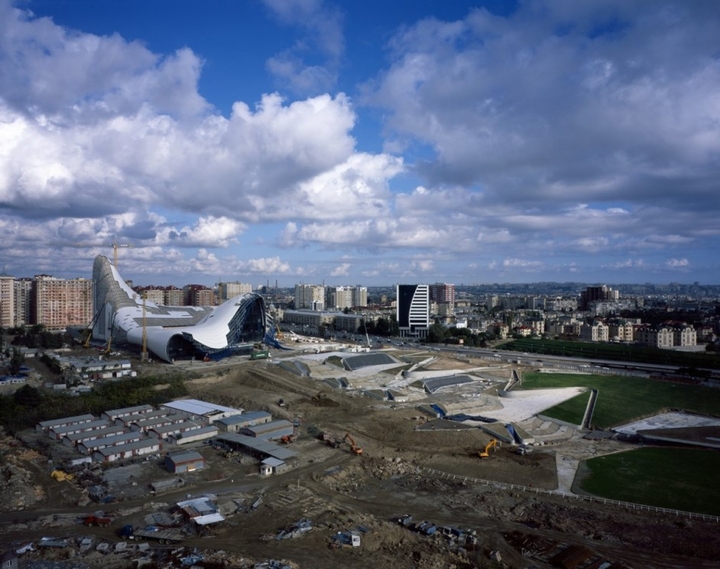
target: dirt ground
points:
(430, 474)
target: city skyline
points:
(286, 141)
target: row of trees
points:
(29, 405)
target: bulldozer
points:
(485, 453)
(353, 447)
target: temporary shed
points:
(45, 426)
(272, 430)
(187, 461)
(201, 409)
(114, 414)
(193, 435)
(129, 450)
(272, 466)
(236, 422)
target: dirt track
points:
(339, 491)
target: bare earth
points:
(407, 467)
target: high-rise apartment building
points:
(7, 301)
(227, 291)
(174, 296)
(442, 293)
(597, 294)
(23, 301)
(341, 297)
(413, 310)
(309, 297)
(360, 294)
(199, 295)
(59, 303)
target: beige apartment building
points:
(59, 303)
(7, 301)
(226, 291)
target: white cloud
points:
(677, 263)
(341, 271)
(321, 24)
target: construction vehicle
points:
(287, 439)
(62, 476)
(485, 453)
(99, 521)
(353, 447)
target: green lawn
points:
(624, 399)
(681, 479)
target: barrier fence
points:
(577, 497)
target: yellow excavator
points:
(485, 453)
(353, 447)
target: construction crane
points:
(353, 447)
(485, 453)
(115, 245)
(144, 356)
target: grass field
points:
(624, 399)
(681, 479)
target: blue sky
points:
(361, 142)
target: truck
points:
(97, 520)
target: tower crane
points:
(115, 245)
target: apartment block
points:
(596, 332)
(309, 297)
(7, 301)
(227, 291)
(23, 301)
(59, 303)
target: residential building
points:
(684, 335)
(22, 292)
(7, 301)
(595, 332)
(442, 293)
(597, 293)
(413, 310)
(199, 295)
(59, 303)
(339, 297)
(173, 296)
(656, 336)
(226, 291)
(309, 297)
(621, 331)
(360, 295)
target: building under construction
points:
(174, 332)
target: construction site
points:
(398, 458)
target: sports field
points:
(623, 399)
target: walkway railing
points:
(577, 497)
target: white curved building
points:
(174, 332)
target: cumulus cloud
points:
(321, 34)
(341, 271)
(564, 130)
(602, 133)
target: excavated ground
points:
(433, 475)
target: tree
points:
(28, 396)
(436, 334)
(17, 358)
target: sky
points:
(372, 143)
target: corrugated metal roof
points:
(259, 445)
(197, 407)
(185, 456)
